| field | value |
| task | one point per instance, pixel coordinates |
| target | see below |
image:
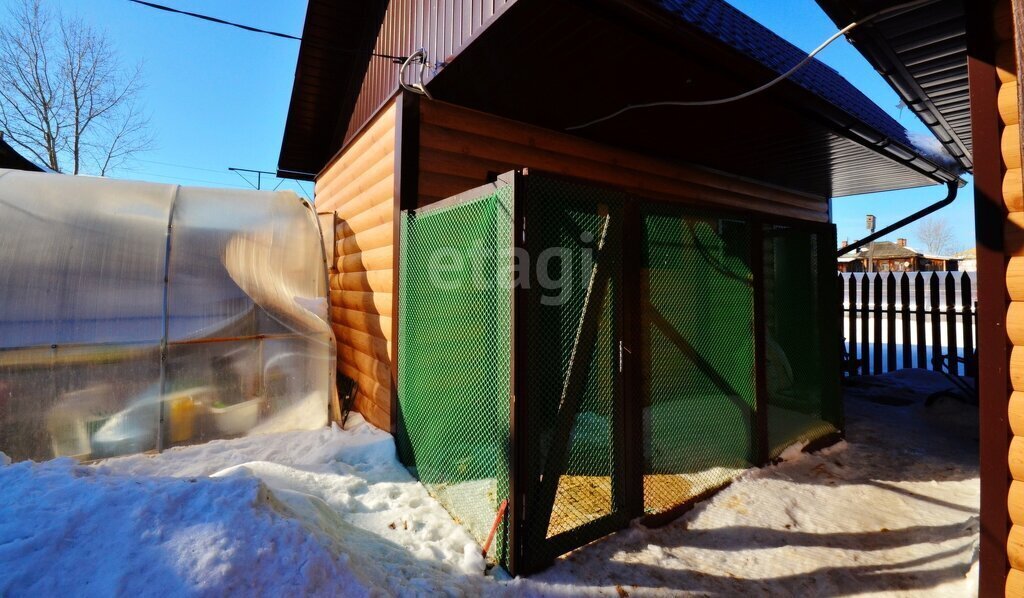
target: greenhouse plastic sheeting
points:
(138, 316)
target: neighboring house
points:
(886, 256)
(10, 158)
(968, 260)
(959, 66)
(735, 194)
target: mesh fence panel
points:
(803, 399)
(697, 356)
(455, 358)
(573, 238)
(694, 400)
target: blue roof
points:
(720, 20)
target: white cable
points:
(767, 85)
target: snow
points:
(890, 511)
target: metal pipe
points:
(951, 190)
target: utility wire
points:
(772, 83)
(213, 19)
(394, 59)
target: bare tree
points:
(937, 234)
(65, 97)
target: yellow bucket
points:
(181, 418)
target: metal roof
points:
(815, 133)
(922, 54)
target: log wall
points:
(1008, 100)
(358, 185)
(461, 149)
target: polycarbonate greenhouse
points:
(572, 357)
(138, 316)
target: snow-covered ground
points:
(331, 512)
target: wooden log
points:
(1015, 502)
(372, 324)
(1015, 584)
(364, 171)
(368, 301)
(1013, 234)
(382, 235)
(1017, 368)
(373, 413)
(1015, 278)
(1015, 547)
(367, 261)
(1015, 460)
(1010, 146)
(382, 190)
(383, 212)
(1013, 190)
(1007, 102)
(373, 388)
(446, 185)
(1015, 413)
(374, 281)
(382, 127)
(367, 364)
(1006, 62)
(374, 346)
(1015, 323)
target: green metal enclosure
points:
(582, 357)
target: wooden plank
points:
(645, 184)
(936, 320)
(967, 314)
(876, 337)
(865, 324)
(890, 322)
(486, 125)
(908, 354)
(951, 328)
(1016, 458)
(920, 322)
(852, 297)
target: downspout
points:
(951, 190)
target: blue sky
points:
(218, 96)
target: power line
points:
(186, 166)
(213, 19)
(393, 58)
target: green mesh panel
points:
(800, 348)
(573, 237)
(697, 356)
(454, 357)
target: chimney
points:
(901, 242)
(846, 243)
